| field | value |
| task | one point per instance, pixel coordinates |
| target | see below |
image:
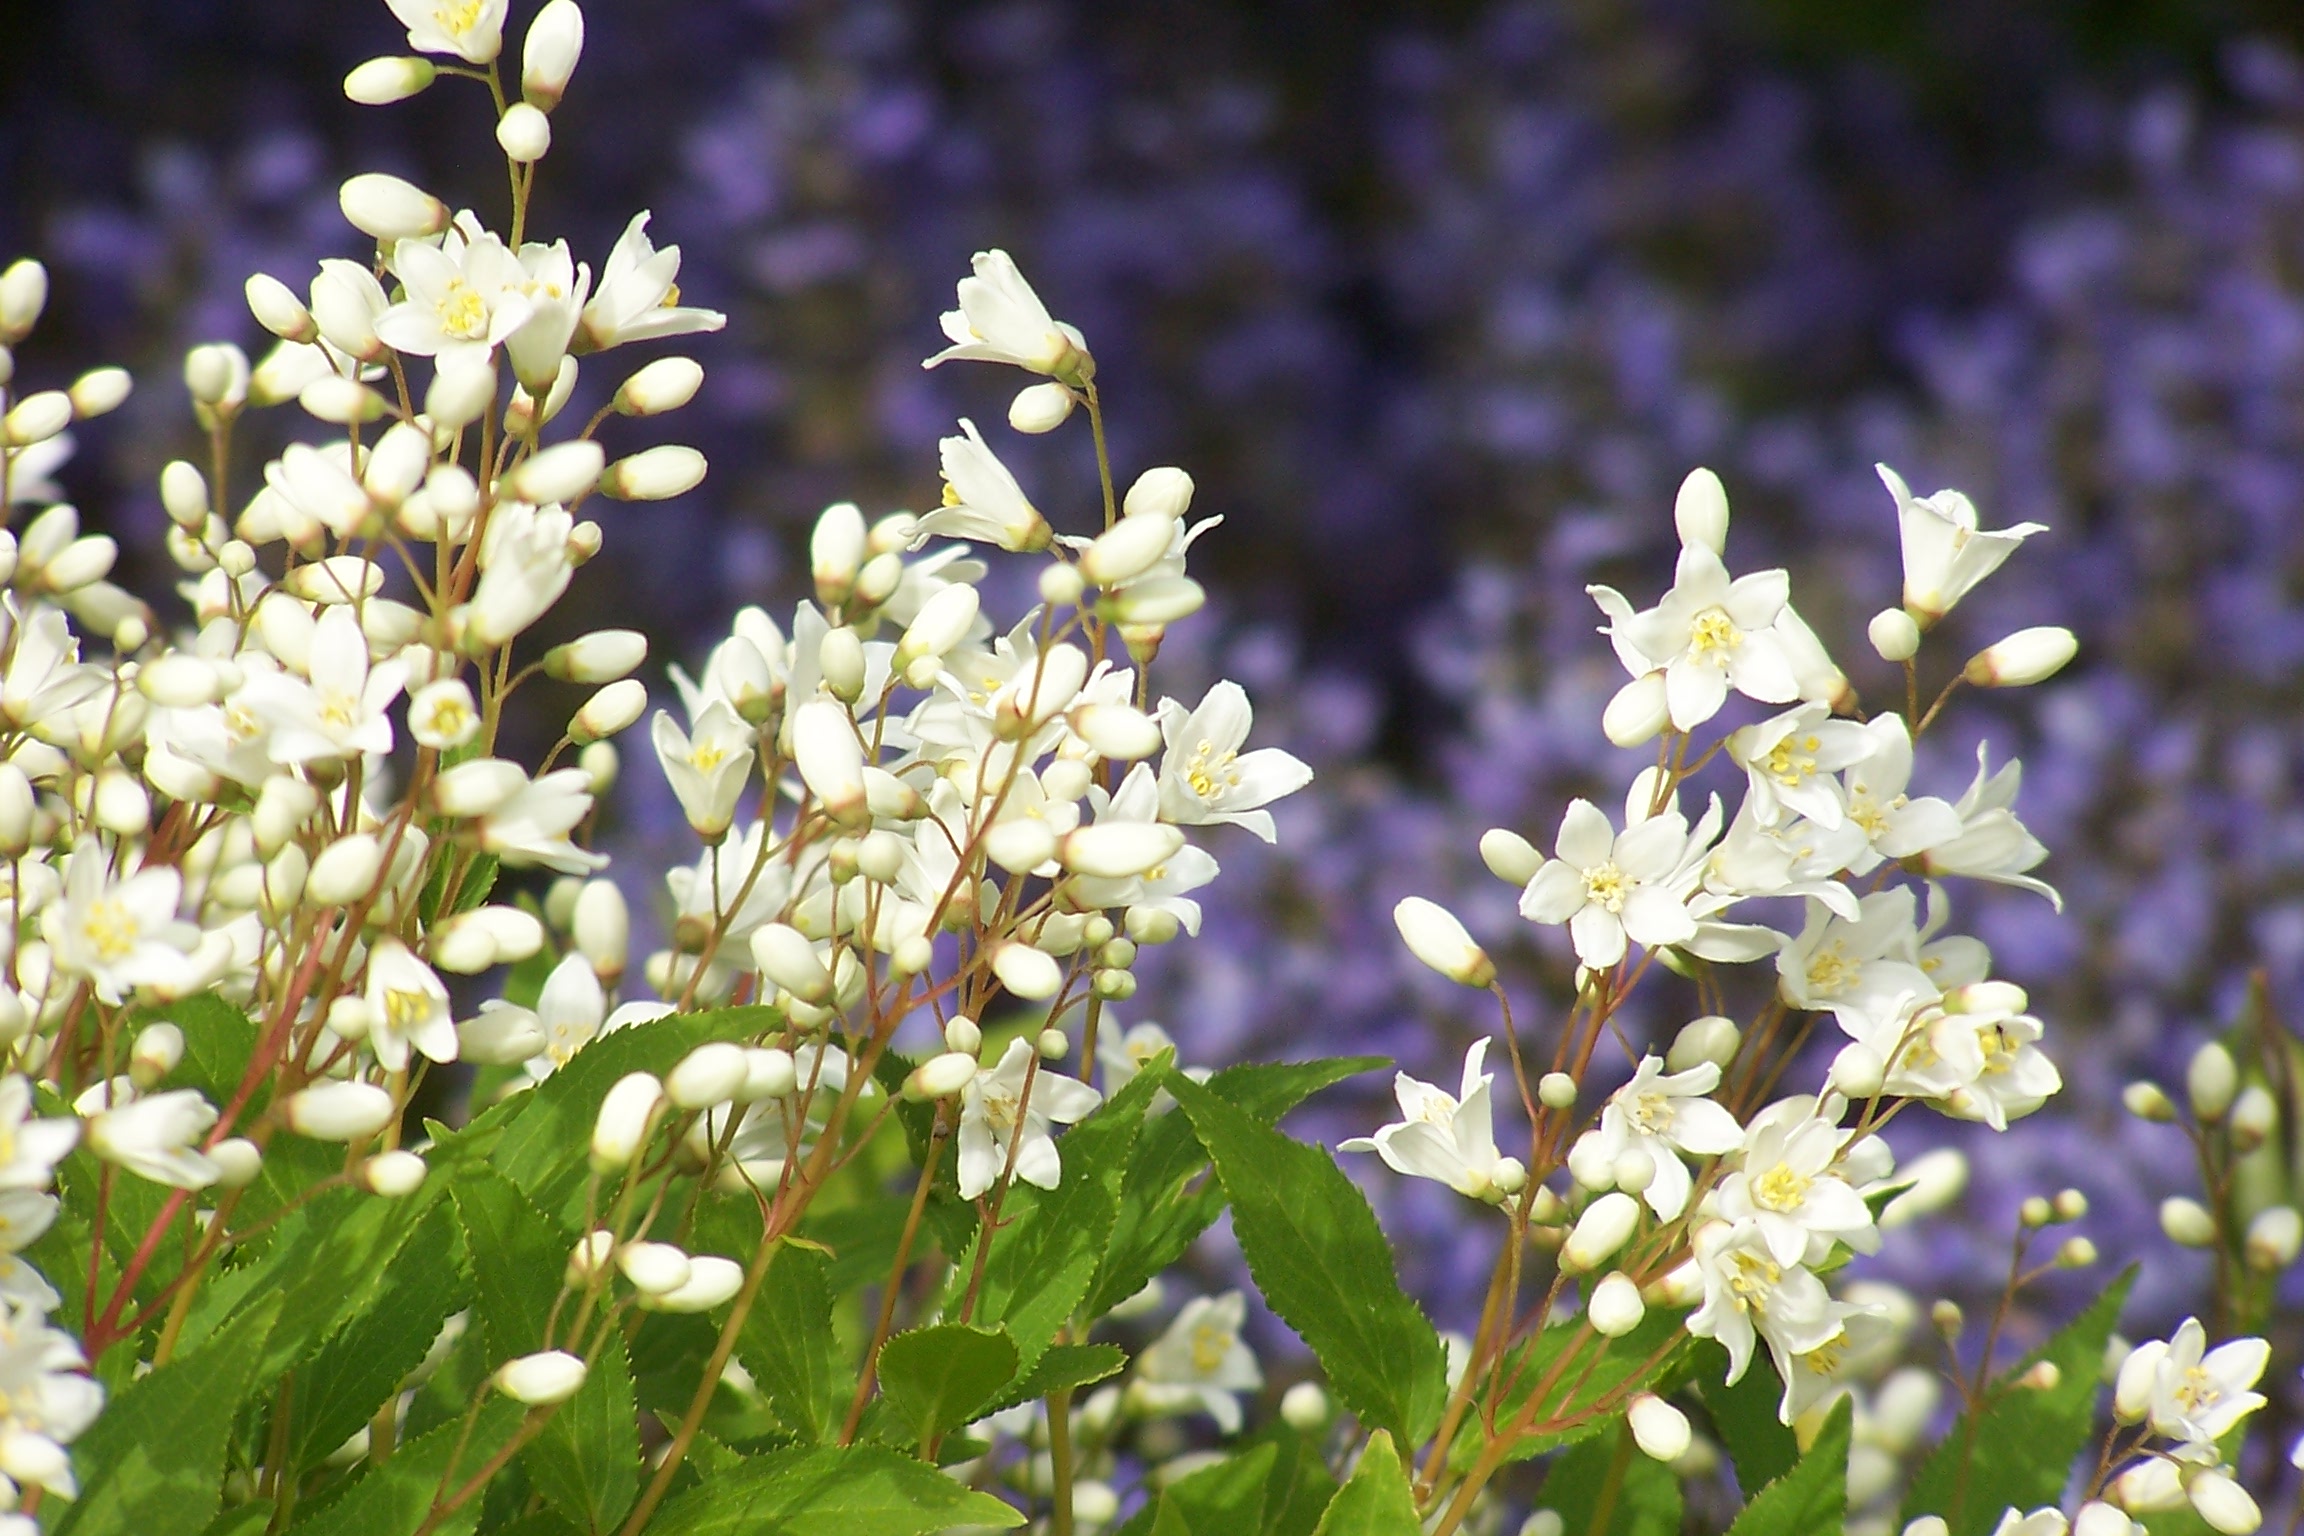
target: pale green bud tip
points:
(2211, 1080)
(2147, 1101)
(1700, 512)
(1434, 936)
(1556, 1090)
(2187, 1223)
(1304, 1406)
(539, 1380)
(382, 81)
(1894, 634)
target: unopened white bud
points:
(1857, 1071)
(711, 1281)
(99, 392)
(382, 81)
(1659, 1429)
(478, 787)
(2254, 1116)
(941, 1076)
(561, 472)
(158, 1048)
(2187, 1223)
(2223, 1503)
(1127, 550)
(1040, 407)
(393, 1174)
(2148, 1101)
(653, 1268)
(627, 1114)
(345, 871)
(1895, 634)
(548, 56)
(1156, 600)
(1510, 857)
(664, 385)
(278, 310)
(2025, 657)
(1163, 491)
(459, 394)
(1061, 586)
(2097, 1518)
(601, 763)
(23, 294)
(769, 1073)
(2275, 1237)
(1556, 1090)
(524, 133)
(1434, 936)
(836, 551)
(1303, 1407)
(388, 209)
(787, 958)
(36, 418)
(830, 759)
(121, 805)
(340, 1111)
(340, 401)
(602, 928)
(1120, 732)
(713, 1073)
(184, 493)
(542, 1379)
(238, 1160)
(962, 1034)
(1637, 711)
(1616, 1308)
(654, 474)
(1712, 1038)
(1029, 973)
(1606, 1225)
(2211, 1080)
(611, 710)
(1700, 515)
(500, 1037)
(1633, 1170)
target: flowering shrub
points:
(825, 1236)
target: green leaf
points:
(1217, 1500)
(1602, 1484)
(788, 1345)
(936, 1378)
(1323, 1265)
(1048, 1247)
(518, 1255)
(1761, 1445)
(1812, 1498)
(153, 1462)
(1601, 1369)
(328, 1263)
(2018, 1453)
(362, 1364)
(1060, 1366)
(1160, 1211)
(586, 1459)
(391, 1499)
(855, 1490)
(1377, 1501)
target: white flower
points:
(442, 714)
(1982, 1066)
(1790, 762)
(119, 934)
(152, 1137)
(1001, 320)
(1665, 1115)
(1894, 823)
(707, 766)
(763, 1140)
(1863, 971)
(524, 567)
(993, 1108)
(2041, 1522)
(1609, 887)
(24, 1215)
(1200, 1362)
(30, 1148)
(1788, 1188)
(1945, 553)
(1165, 885)
(531, 829)
(2199, 1394)
(1991, 844)
(340, 712)
(48, 1394)
(473, 30)
(45, 677)
(638, 299)
(569, 1009)
(1749, 1296)
(1205, 778)
(464, 296)
(1450, 1140)
(555, 285)
(982, 500)
(1708, 634)
(409, 1007)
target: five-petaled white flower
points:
(1749, 1297)
(1787, 1185)
(639, 298)
(46, 1397)
(1206, 779)
(30, 1148)
(1790, 762)
(340, 712)
(707, 765)
(1609, 886)
(1200, 1362)
(151, 1136)
(1945, 553)
(982, 500)
(408, 1005)
(464, 296)
(1001, 320)
(472, 30)
(531, 829)
(1709, 634)
(1447, 1138)
(2198, 1394)
(1665, 1115)
(119, 934)
(995, 1115)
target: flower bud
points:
(500, 1037)
(941, 1076)
(769, 1073)
(184, 492)
(1857, 1071)
(627, 1114)
(654, 474)
(1700, 516)
(2187, 1222)
(830, 759)
(2223, 1503)
(609, 711)
(478, 787)
(713, 1073)
(99, 392)
(524, 133)
(1637, 711)
(278, 310)
(1061, 586)
(540, 1380)
(393, 1174)
(1895, 634)
(1029, 973)
(36, 418)
(238, 1160)
(788, 959)
(664, 385)
(1165, 490)
(1510, 857)
(1711, 1038)
(2255, 1115)
(1303, 1407)
(2097, 1518)
(388, 209)
(1556, 1090)
(2035, 1211)
(1127, 550)
(340, 1111)
(560, 473)
(1040, 407)
(2075, 1253)
(23, 294)
(653, 1268)
(600, 763)
(1118, 850)
(588, 1261)
(1659, 1429)
(711, 1281)
(2147, 1101)
(382, 81)
(1615, 1308)
(1606, 1225)
(1156, 600)
(2025, 657)
(2151, 1486)
(602, 928)
(460, 394)
(159, 1047)
(121, 807)
(1434, 936)
(548, 56)
(2211, 1080)
(2274, 1238)
(1120, 732)
(345, 871)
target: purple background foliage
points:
(1438, 304)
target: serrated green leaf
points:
(1602, 1369)
(1323, 1265)
(1217, 1500)
(153, 1462)
(392, 1499)
(1060, 1366)
(517, 1256)
(936, 1378)
(1377, 1500)
(362, 1363)
(788, 1345)
(1160, 1210)
(2018, 1453)
(1762, 1447)
(1812, 1498)
(1603, 1485)
(856, 1490)
(1050, 1241)
(586, 1459)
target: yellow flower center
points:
(1000, 1111)
(1751, 1276)
(1830, 971)
(1210, 773)
(1607, 886)
(704, 756)
(110, 929)
(1712, 636)
(461, 311)
(1792, 761)
(1210, 1344)
(1650, 1113)
(405, 1008)
(456, 20)
(1781, 1188)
